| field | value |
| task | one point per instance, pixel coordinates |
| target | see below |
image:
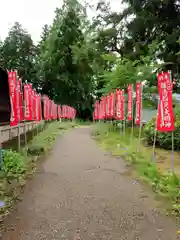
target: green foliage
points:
(148, 25)
(65, 60)
(15, 165)
(125, 71)
(18, 52)
(163, 140)
(77, 61)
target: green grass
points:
(164, 183)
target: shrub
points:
(14, 163)
(163, 140)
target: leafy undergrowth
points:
(17, 167)
(164, 183)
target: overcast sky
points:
(34, 14)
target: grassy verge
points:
(17, 167)
(164, 183)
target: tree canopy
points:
(78, 60)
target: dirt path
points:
(80, 186)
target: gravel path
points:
(81, 187)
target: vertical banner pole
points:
(132, 126)
(124, 129)
(140, 129)
(139, 138)
(154, 145)
(172, 151)
(155, 133)
(172, 131)
(130, 108)
(18, 113)
(120, 127)
(37, 113)
(24, 122)
(32, 109)
(11, 103)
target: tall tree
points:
(154, 20)
(64, 58)
(18, 52)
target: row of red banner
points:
(112, 106)
(54, 111)
(29, 107)
(165, 115)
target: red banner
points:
(48, 109)
(101, 109)
(36, 106)
(55, 112)
(165, 118)
(130, 103)
(64, 111)
(138, 103)
(96, 111)
(51, 109)
(20, 100)
(119, 104)
(27, 102)
(112, 105)
(39, 108)
(33, 105)
(108, 107)
(68, 112)
(59, 112)
(37, 100)
(12, 80)
(104, 110)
